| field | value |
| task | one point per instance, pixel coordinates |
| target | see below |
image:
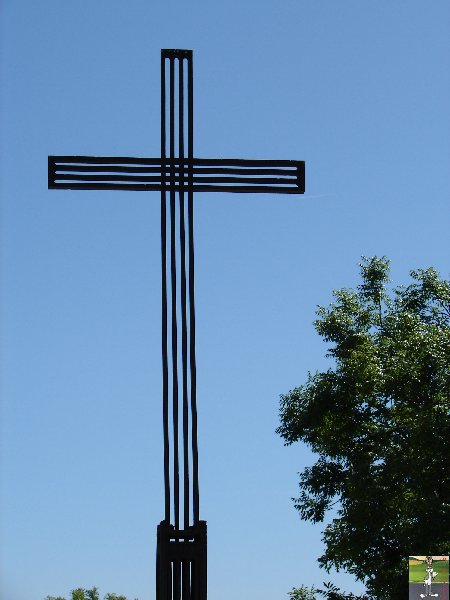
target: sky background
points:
(359, 90)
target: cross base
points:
(181, 562)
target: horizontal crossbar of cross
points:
(198, 175)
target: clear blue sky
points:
(358, 89)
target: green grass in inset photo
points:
(417, 571)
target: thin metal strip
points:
(241, 171)
(184, 332)
(51, 172)
(107, 186)
(164, 307)
(255, 189)
(192, 358)
(113, 160)
(106, 178)
(176, 578)
(106, 169)
(244, 162)
(245, 189)
(301, 176)
(174, 328)
(200, 162)
(178, 180)
(186, 580)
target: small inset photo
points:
(428, 577)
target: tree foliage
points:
(302, 593)
(87, 594)
(331, 592)
(379, 423)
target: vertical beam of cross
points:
(177, 255)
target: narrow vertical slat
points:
(170, 581)
(191, 292)
(186, 583)
(164, 293)
(204, 562)
(173, 268)
(51, 171)
(163, 568)
(159, 569)
(194, 585)
(301, 177)
(183, 294)
(176, 580)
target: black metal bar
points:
(247, 180)
(301, 176)
(245, 162)
(164, 296)
(176, 53)
(255, 181)
(74, 167)
(244, 189)
(90, 168)
(176, 578)
(241, 171)
(194, 584)
(203, 560)
(143, 187)
(108, 160)
(173, 269)
(106, 178)
(291, 182)
(177, 180)
(183, 296)
(201, 162)
(197, 170)
(193, 367)
(187, 590)
(51, 171)
(162, 563)
(290, 171)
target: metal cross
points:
(181, 552)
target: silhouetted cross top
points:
(181, 553)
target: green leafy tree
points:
(92, 594)
(379, 423)
(302, 593)
(84, 594)
(331, 592)
(78, 594)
